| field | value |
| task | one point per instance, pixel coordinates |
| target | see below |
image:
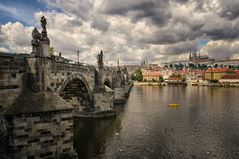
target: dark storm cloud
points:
(173, 34)
(137, 29)
(229, 8)
(180, 48)
(157, 12)
(221, 29)
(100, 24)
(181, 1)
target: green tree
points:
(191, 66)
(204, 67)
(138, 75)
(171, 66)
(179, 66)
(161, 79)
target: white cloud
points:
(17, 37)
(132, 31)
(3, 49)
(221, 49)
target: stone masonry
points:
(40, 125)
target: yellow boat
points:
(174, 105)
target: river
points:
(206, 126)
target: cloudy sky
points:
(131, 30)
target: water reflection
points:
(205, 126)
(91, 136)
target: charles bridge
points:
(40, 95)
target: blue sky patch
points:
(20, 10)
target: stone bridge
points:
(40, 94)
(85, 87)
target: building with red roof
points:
(230, 78)
(214, 74)
(151, 75)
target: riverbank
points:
(148, 83)
(187, 84)
(218, 84)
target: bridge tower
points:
(39, 61)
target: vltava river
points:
(206, 126)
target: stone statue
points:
(100, 59)
(43, 22)
(36, 34)
(44, 37)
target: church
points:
(199, 58)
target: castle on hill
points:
(194, 57)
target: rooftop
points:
(218, 70)
(29, 102)
(231, 76)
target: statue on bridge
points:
(43, 22)
(36, 36)
(100, 59)
(40, 38)
(44, 37)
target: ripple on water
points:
(206, 126)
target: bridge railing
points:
(59, 66)
(10, 67)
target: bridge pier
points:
(103, 105)
(122, 93)
(40, 125)
(119, 95)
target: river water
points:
(206, 126)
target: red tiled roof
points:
(198, 72)
(218, 70)
(151, 73)
(231, 76)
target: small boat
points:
(174, 105)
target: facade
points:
(230, 78)
(214, 74)
(150, 75)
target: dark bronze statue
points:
(43, 22)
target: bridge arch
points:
(75, 90)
